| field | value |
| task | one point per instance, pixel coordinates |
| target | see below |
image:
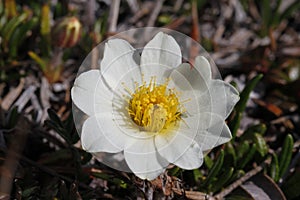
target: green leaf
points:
(274, 168)
(230, 155)
(249, 133)
(19, 35)
(45, 20)
(9, 28)
(45, 30)
(208, 162)
(241, 104)
(242, 149)
(12, 118)
(236, 175)
(197, 175)
(222, 179)
(175, 171)
(30, 191)
(266, 13)
(42, 63)
(244, 95)
(111, 178)
(235, 123)
(261, 144)
(56, 157)
(286, 154)
(215, 169)
(276, 15)
(248, 157)
(54, 117)
(291, 186)
(293, 7)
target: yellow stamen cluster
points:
(154, 107)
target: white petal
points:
(193, 75)
(89, 93)
(159, 56)
(192, 158)
(203, 66)
(179, 149)
(118, 61)
(100, 134)
(220, 98)
(143, 159)
(206, 94)
(212, 131)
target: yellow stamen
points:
(154, 107)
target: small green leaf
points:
(12, 118)
(266, 13)
(175, 171)
(208, 162)
(9, 28)
(222, 180)
(249, 133)
(27, 193)
(261, 144)
(235, 123)
(56, 156)
(242, 149)
(54, 117)
(291, 186)
(111, 178)
(45, 20)
(286, 154)
(241, 104)
(248, 157)
(42, 63)
(244, 96)
(197, 174)
(287, 12)
(230, 155)
(236, 175)
(276, 16)
(274, 168)
(215, 169)
(19, 35)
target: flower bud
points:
(66, 32)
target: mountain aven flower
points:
(153, 108)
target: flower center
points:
(154, 107)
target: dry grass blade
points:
(155, 13)
(12, 95)
(113, 15)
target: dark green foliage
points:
(65, 129)
(241, 105)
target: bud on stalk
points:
(66, 32)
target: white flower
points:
(157, 112)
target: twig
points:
(12, 159)
(195, 34)
(113, 15)
(178, 5)
(12, 95)
(237, 183)
(25, 97)
(144, 10)
(155, 13)
(194, 195)
(134, 6)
